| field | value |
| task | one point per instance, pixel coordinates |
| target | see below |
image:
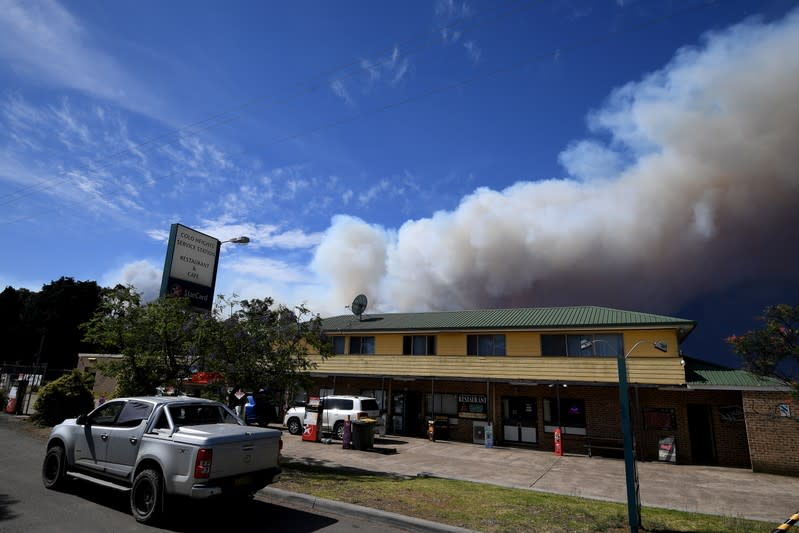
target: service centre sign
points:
(190, 266)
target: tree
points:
(263, 345)
(68, 396)
(155, 339)
(58, 310)
(773, 348)
(43, 327)
(165, 341)
(20, 338)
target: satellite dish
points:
(358, 305)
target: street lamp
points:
(237, 240)
(633, 506)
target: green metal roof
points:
(703, 374)
(493, 319)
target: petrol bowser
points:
(312, 430)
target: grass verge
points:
(491, 508)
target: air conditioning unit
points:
(479, 432)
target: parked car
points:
(260, 409)
(162, 446)
(334, 413)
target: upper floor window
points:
(337, 343)
(419, 345)
(570, 345)
(485, 344)
(362, 345)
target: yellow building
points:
(512, 376)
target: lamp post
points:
(633, 505)
(237, 240)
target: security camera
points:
(682, 362)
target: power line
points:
(315, 83)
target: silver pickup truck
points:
(158, 446)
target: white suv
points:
(336, 409)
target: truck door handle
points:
(104, 436)
(133, 440)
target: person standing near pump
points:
(347, 437)
(237, 400)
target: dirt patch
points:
(26, 425)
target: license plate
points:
(242, 481)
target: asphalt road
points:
(26, 506)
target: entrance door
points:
(519, 420)
(398, 413)
(406, 416)
(700, 430)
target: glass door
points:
(519, 420)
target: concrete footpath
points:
(721, 491)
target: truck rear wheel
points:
(146, 496)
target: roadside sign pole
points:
(633, 509)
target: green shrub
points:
(66, 397)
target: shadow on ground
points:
(6, 513)
(184, 515)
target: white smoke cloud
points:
(142, 275)
(708, 198)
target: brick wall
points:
(728, 430)
(773, 439)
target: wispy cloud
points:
(117, 182)
(294, 186)
(42, 40)
(373, 192)
(261, 235)
(389, 70)
(340, 90)
(450, 9)
(73, 132)
(447, 12)
(448, 35)
(473, 51)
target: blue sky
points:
(432, 155)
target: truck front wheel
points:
(54, 471)
(146, 496)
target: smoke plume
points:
(689, 183)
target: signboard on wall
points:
(473, 406)
(667, 449)
(190, 266)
